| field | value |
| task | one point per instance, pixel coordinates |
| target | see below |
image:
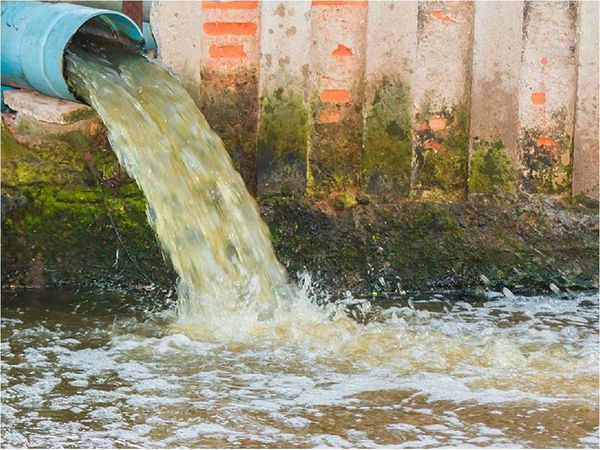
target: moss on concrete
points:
(71, 216)
(387, 152)
(545, 155)
(282, 143)
(335, 147)
(490, 171)
(441, 153)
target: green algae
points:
(282, 143)
(544, 168)
(65, 223)
(55, 158)
(334, 156)
(344, 200)
(80, 114)
(387, 152)
(441, 155)
(490, 170)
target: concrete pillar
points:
(390, 65)
(229, 64)
(441, 124)
(547, 95)
(585, 151)
(284, 112)
(176, 28)
(337, 62)
(497, 42)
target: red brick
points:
(226, 51)
(337, 3)
(538, 98)
(223, 28)
(341, 51)
(545, 141)
(229, 5)
(336, 96)
(437, 123)
(442, 17)
(329, 117)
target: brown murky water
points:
(90, 370)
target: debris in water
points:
(507, 293)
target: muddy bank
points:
(71, 216)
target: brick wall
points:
(432, 100)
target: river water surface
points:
(105, 370)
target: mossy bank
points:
(70, 216)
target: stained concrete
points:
(548, 80)
(229, 70)
(443, 69)
(336, 83)
(283, 118)
(390, 70)
(585, 151)
(497, 45)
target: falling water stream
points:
(250, 359)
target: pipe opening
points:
(102, 34)
(107, 30)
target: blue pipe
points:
(36, 34)
(149, 41)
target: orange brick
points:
(431, 144)
(442, 17)
(545, 141)
(337, 3)
(437, 123)
(538, 98)
(229, 5)
(221, 28)
(341, 51)
(335, 96)
(329, 117)
(226, 51)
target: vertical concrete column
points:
(284, 117)
(444, 49)
(337, 62)
(497, 43)
(229, 64)
(547, 95)
(176, 26)
(390, 65)
(585, 151)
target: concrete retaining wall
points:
(431, 100)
